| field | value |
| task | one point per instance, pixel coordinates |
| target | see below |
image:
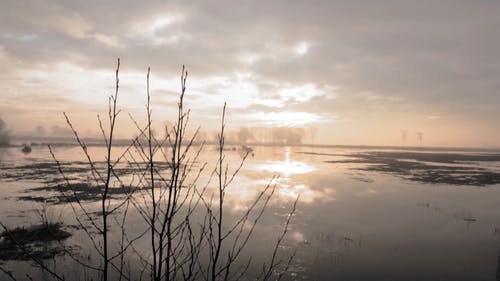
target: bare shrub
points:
(179, 199)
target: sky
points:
(355, 72)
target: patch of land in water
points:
(81, 187)
(425, 167)
(32, 242)
(74, 192)
(48, 172)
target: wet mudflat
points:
(425, 167)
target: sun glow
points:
(286, 118)
(301, 93)
(302, 48)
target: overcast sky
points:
(359, 71)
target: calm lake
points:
(362, 214)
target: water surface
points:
(363, 214)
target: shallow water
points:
(352, 223)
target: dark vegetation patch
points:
(35, 241)
(37, 171)
(55, 189)
(64, 193)
(448, 168)
(448, 158)
(48, 172)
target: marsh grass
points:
(21, 243)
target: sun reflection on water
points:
(291, 180)
(285, 168)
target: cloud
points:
(375, 60)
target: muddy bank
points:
(425, 167)
(48, 172)
(74, 192)
(36, 241)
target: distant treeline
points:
(4, 133)
(262, 135)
